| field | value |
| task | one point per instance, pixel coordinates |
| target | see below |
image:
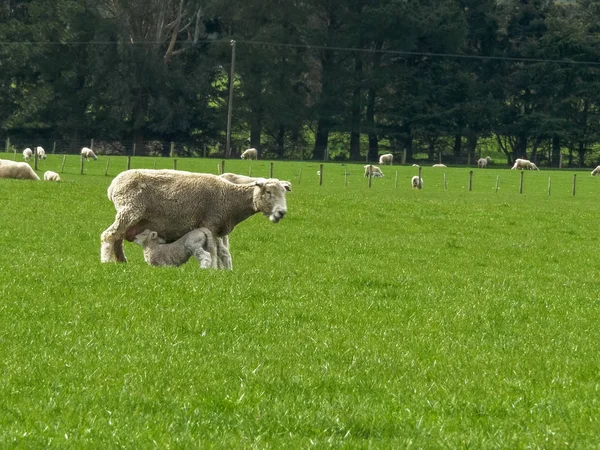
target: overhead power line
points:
(309, 46)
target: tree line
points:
(344, 79)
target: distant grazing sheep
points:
(27, 153)
(198, 243)
(88, 153)
(596, 171)
(416, 165)
(439, 165)
(173, 202)
(19, 170)
(51, 176)
(416, 182)
(372, 170)
(41, 153)
(482, 163)
(250, 153)
(388, 158)
(524, 164)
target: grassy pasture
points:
(381, 317)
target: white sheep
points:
(524, 164)
(51, 176)
(439, 165)
(416, 165)
(19, 170)
(41, 153)
(416, 182)
(197, 243)
(27, 154)
(388, 158)
(173, 202)
(482, 163)
(596, 171)
(250, 153)
(244, 179)
(372, 170)
(88, 153)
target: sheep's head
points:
(269, 198)
(148, 236)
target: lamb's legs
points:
(111, 240)
(203, 258)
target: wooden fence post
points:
(345, 177)
(129, 162)
(106, 170)
(172, 151)
(92, 144)
(549, 186)
(134, 149)
(403, 156)
(35, 158)
(320, 174)
(521, 182)
(175, 164)
(574, 183)
(81, 165)
(396, 183)
(271, 171)
(222, 166)
(470, 180)
(445, 183)
(497, 182)
(7, 145)
(62, 166)
(300, 176)
(54, 147)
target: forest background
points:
(313, 79)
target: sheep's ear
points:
(286, 185)
(153, 235)
(260, 183)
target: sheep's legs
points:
(111, 240)
(224, 257)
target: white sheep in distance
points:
(88, 153)
(173, 202)
(18, 170)
(482, 163)
(27, 154)
(596, 171)
(439, 165)
(372, 170)
(388, 158)
(159, 253)
(524, 164)
(244, 179)
(250, 153)
(41, 153)
(51, 176)
(416, 182)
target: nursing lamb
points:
(197, 243)
(173, 202)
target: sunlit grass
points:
(377, 316)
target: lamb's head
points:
(269, 198)
(148, 237)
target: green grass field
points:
(377, 317)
